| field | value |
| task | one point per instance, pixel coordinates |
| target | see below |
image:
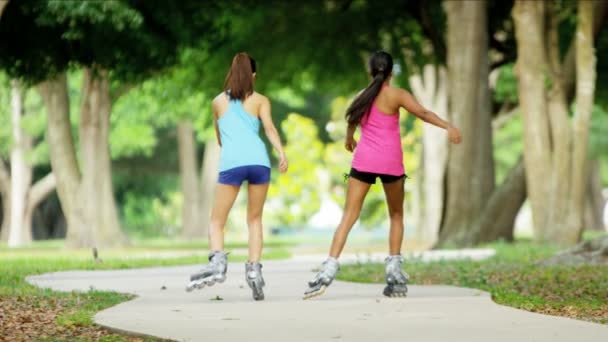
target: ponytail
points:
(381, 66)
(239, 81)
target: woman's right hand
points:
(350, 144)
(283, 163)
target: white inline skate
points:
(213, 272)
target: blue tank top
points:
(241, 143)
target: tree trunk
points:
(498, 219)
(555, 152)
(21, 172)
(96, 195)
(211, 161)
(470, 170)
(585, 89)
(37, 193)
(188, 168)
(5, 193)
(430, 88)
(595, 201)
(54, 93)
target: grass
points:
(513, 279)
(30, 313)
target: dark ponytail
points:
(239, 81)
(380, 67)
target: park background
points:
(107, 140)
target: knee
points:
(396, 214)
(254, 219)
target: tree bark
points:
(188, 168)
(498, 218)
(5, 192)
(585, 89)
(211, 161)
(555, 152)
(470, 170)
(595, 201)
(54, 93)
(36, 194)
(96, 195)
(21, 171)
(430, 88)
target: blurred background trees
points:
(109, 102)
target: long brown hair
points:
(380, 67)
(239, 81)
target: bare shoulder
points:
(219, 99)
(260, 99)
(397, 92)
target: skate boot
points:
(323, 279)
(396, 279)
(214, 271)
(253, 275)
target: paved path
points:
(347, 312)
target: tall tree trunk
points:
(21, 171)
(188, 168)
(5, 192)
(430, 88)
(96, 195)
(585, 89)
(211, 161)
(595, 201)
(54, 93)
(555, 152)
(470, 171)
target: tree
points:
(555, 145)
(470, 172)
(146, 38)
(430, 88)
(20, 196)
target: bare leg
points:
(355, 194)
(224, 199)
(394, 198)
(255, 207)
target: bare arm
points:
(272, 133)
(215, 117)
(350, 144)
(407, 101)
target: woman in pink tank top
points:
(378, 154)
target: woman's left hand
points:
(283, 163)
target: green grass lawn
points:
(513, 279)
(28, 313)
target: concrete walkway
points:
(347, 312)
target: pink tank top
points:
(379, 149)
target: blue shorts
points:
(253, 174)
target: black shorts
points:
(370, 178)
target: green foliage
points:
(295, 201)
(506, 85)
(598, 135)
(514, 279)
(40, 38)
(508, 146)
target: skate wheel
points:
(315, 293)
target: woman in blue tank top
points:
(238, 112)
